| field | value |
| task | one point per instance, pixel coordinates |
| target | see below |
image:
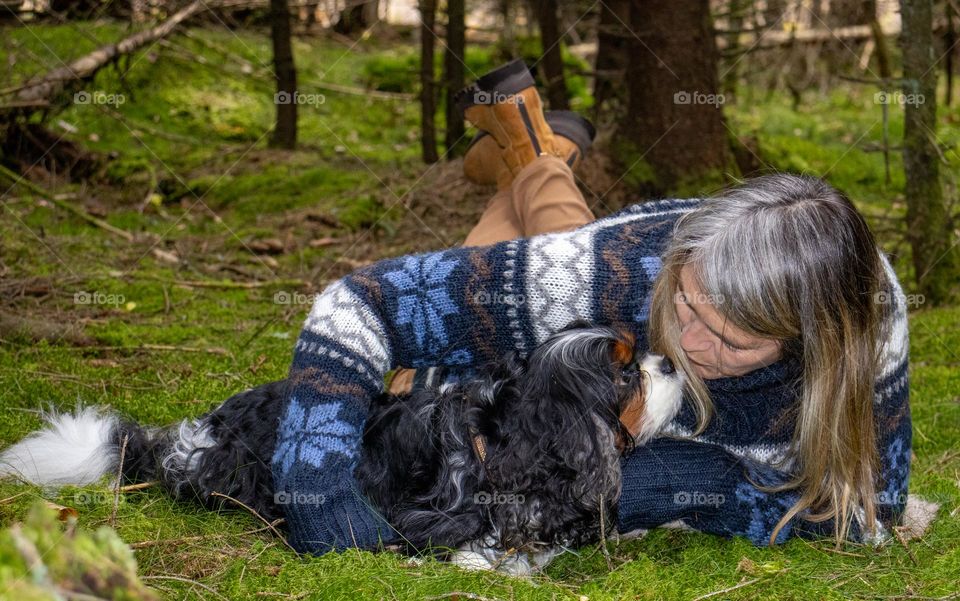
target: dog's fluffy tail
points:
(75, 449)
(82, 447)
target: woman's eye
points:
(732, 348)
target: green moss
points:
(638, 174)
(39, 560)
(225, 189)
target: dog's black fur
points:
(550, 424)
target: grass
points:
(194, 136)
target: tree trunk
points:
(730, 74)
(930, 227)
(612, 47)
(358, 16)
(675, 120)
(138, 11)
(508, 35)
(285, 133)
(552, 62)
(371, 13)
(428, 99)
(453, 72)
(949, 42)
(880, 40)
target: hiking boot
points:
(505, 104)
(483, 162)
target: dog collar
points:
(479, 445)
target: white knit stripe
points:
(341, 315)
(895, 349)
(766, 453)
(512, 295)
(647, 210)
(892, 391)
(322, 350)
(560, 270)
(559, 273)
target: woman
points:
(772, 296)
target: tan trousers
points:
(543, 198)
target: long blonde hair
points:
(792, 259)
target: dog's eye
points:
(628, 373)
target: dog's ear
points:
(622, 351)
(576, 324)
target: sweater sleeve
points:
(457, 307)
(704, 486)
(892, 404)
(710, 489)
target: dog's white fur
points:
(664, 395)
(73, 449)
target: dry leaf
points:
(63, 513)
(165, 256)
(271, 246)
(326, 241)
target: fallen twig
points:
(728, 589)
(213, 350)
(224, 284)
(11, 499)
(191, 539)
(260, 517)
(603, 538)
(188, 581)
(116, 490)
(138, 486)
(461, 595)
(903, 541)
(16, 179)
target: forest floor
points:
(232, 238)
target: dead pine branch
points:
(37, 190)
(50, 85)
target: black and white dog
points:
(505, 470)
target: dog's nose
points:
(666, 366)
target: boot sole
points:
(495, 86)
(568, 124)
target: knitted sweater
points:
(462, 307)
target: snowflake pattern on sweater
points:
(451, 310)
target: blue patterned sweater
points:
(452, 310)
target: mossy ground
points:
(193, 177)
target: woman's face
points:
(716, 349)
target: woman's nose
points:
(692, 339)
